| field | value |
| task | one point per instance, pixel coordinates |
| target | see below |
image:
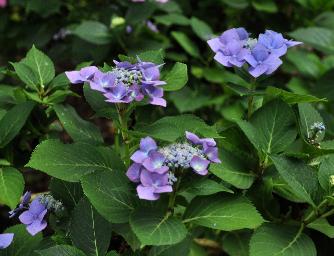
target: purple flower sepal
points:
(262, 62)
(146, 146)
(205, 142)
(22, 206)
(155, 163)
(84, 75)
(103, 82)
(274, 42)
(6, 240)
(152, 185)
(34, 217)
(199, 165)
(232, 54)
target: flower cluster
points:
(235, 48)
(33, 214)
(153, 167)
(125, 83)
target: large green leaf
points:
(23, 244)
(223, 213)
(173, 127)
(181, 248)
(320, 38)
(300, 177)
(61, 250)
(90, 232)
(111, 194)
(77, 128)
(13, 121)
(326, 170)
(236, 243)
(94, 32)
(155, 227)
(176, 78)
(70, 162)
(233, 170)
(11, 186)
(280, 240)
(271, 128)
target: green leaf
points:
(322, 225)
(325, 19)
(70, 162)
(223, 213)
(320, 38)
(155, 227)
(201, 28)
(308, 116)
(177, 78)
(13, 121)
(238, 4)
(26, 74)
(172, 19)
(325, 172)
(11, 186)
(69, 193)
(181, 248)
(111, 194)
(186, 43)
(271, 239)
(90, 232)
(44, 8)
(271, 127)
(237, 243)
(265, 5)
(203, 187)
(23, 244)
(156, 57)
(126, 232)
(61, 250)
(94, 32)
(292, 98)
(233, 170)
(171, 128)
(77, 128)
(300, 177)
(41, 65)
(112, 253)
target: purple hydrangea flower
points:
(6, 240)
(84, 75)
(232, 35)
(274, 42)
(152, 185)
(262, 62)
(22, 206)
(199, 165)
(146, 146)
(155, 163)
(134, 171)
(34, 217)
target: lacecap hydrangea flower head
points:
(235, 48)
(154, 167)
(125, 83)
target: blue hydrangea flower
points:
(6, 240)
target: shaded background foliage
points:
(72, 32)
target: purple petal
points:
(251, 60)
(42, 215)
(164, 189)
(199, 165)
(147, 178)
(273, 63)
(215, 44)
(147, 144)
(6, 240)
(147, 193)
(26, 198)
(36, 207)
(139, 156)
(258, 70)
(87, 73)
(133, 172)
(212, 154)
(36, 227)
(291, 43)
(26, 217)
(74, 77)
(193, 138)
(222, 59)
(158, 101)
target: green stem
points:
(125, 133)
(173, 195)
(314, 214)
(251, 99)
(327, 214)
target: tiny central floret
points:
(180, 154)
(128, 77)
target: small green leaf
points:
(172, 19)
(155, 227)
(223, 213)
(26, 74)
(271, 239)
(177, 78)
(265, 5)
(94, 32)
(201, 28)
(187, 44)
(322, 225)
(78, 129)
(90, 232)
(203, 187)
(111, 194)
(11, 186)
(70, 162)
(13, 121)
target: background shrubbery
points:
(275, 160)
